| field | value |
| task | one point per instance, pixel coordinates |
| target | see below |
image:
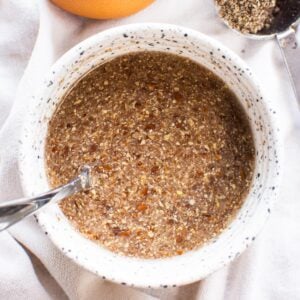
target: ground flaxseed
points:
(173, 151)
(247, 16)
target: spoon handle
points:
(291, 53)
(14, 211)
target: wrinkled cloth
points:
(33, 35)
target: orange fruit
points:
(102, 9)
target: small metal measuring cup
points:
(283, 27)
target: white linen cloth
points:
(269, 269)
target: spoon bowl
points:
(282, 27)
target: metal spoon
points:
(283, 28)
(14, 211)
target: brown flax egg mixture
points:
(171, 148)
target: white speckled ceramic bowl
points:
(193, 265)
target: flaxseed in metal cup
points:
(216, 253)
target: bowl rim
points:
(195, 276)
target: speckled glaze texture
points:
(193, 265)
